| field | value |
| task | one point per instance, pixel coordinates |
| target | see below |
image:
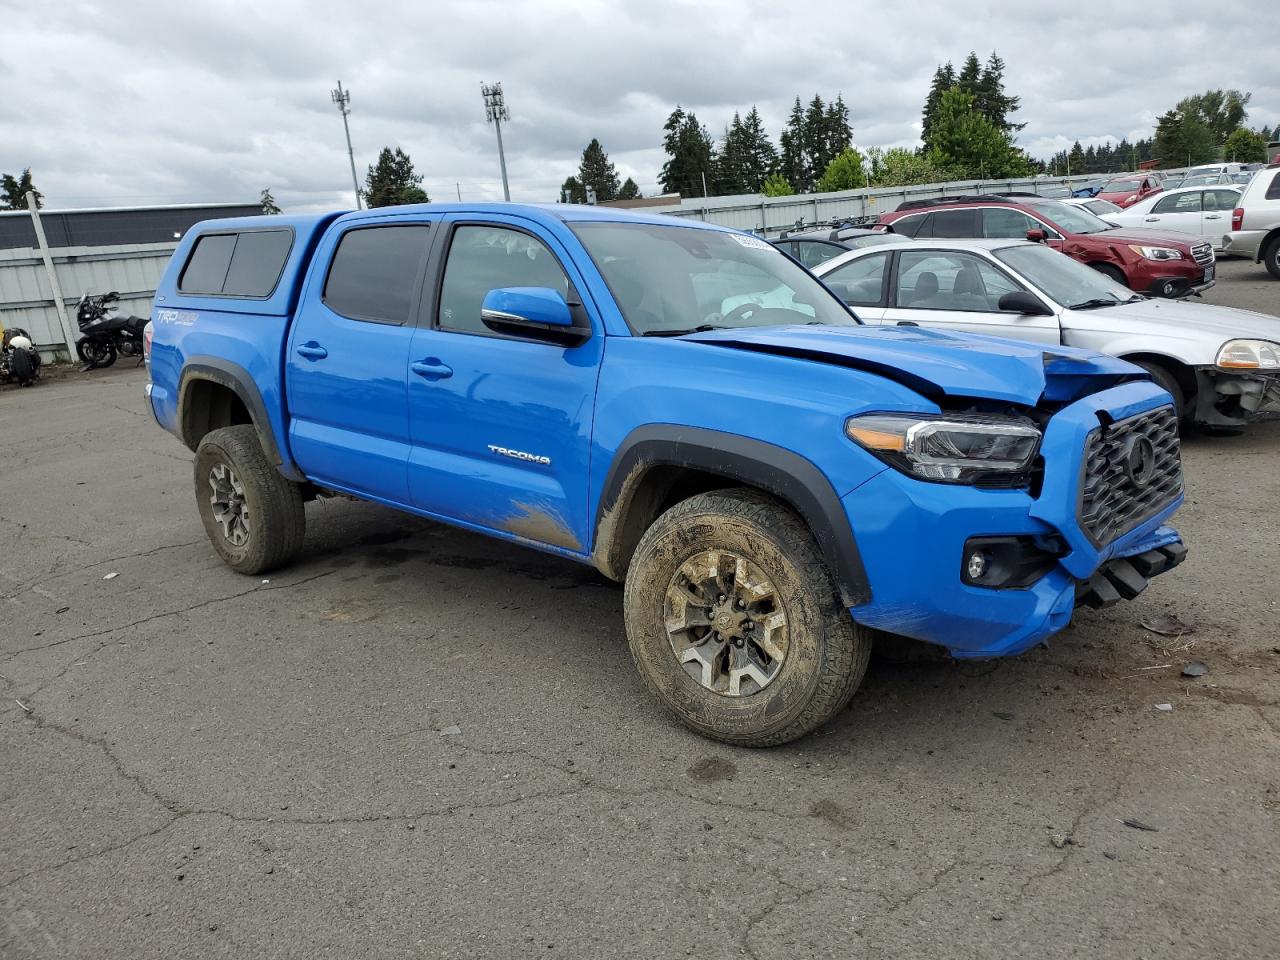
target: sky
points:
(136, 102)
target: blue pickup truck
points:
(681, 406)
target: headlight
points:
(946, 448)
(1249, 355)
(1156, 253)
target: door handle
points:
(431, 368)
(1213, 216)
(312, 350)
(1151, 220)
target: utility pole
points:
(495, 111)
(343, 99)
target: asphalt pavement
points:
(417, 742)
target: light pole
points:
(495, 110)
(343, 99)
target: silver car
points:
(1221, 365)
(1255, 223)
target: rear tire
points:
(807, 654)
(253, 516)
(1169, 382)
(1272, 258)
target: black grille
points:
(1202, 252)
(1132, 469)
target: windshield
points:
(671, 279)
(1101, 207)
(1070, 218)
(1121, 186)
(1066, 281)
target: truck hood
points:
(937, 363)
(1185, 318)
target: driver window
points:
(1180, 203)
(1008, 224)
(487, 258)
(950, 281)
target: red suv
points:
(1126, 191)
(1162, 263)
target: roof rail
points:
(940, 201)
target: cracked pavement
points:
(198, 764)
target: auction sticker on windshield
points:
(755, 243)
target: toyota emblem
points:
(1139, 461)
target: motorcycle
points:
(19, 359)
(105, 333)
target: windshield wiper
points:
(1095, 303)
(703, 328)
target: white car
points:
(1099, 208)
(1221, 365)
(1200, 211)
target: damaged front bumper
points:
(1227, 399)
(913, 537)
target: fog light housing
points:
(1009, 563)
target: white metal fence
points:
(27, 300)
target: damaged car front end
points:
(1242, 386)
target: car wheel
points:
(736, 624)
(1168, 382)
(1272, 258)
(1115, 273)
(252, 515)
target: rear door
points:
(1215, 218)
(501, 425)
(1177, 211)
(347, 364)
(960, 291)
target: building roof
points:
(114, 226)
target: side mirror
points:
(537, 312)
(1028, 304)
(1036, 236)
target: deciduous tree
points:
(964, 139)
(845, 172)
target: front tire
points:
(253, 516)
(97, 353)
(1170, 383)
(1112, 272)
(777, 655)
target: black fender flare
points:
(784, 474)
(240, 382)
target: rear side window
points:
(245, 264)
(955, 223)
(1273, 189)
(861, 282)
(374, 272)
(910, 226)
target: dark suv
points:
(1163, 263)
(818, 246)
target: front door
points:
(348, 356)
(500, 425)
(959, 291)
(1178, 211)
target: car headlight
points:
(1156, 253)
(949, 448)
(1249, 355)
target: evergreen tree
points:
(733, 160)
(814, 138)
(597, 173)
(269, 205)
(1076, 159)
(13, 191)
(965, 139)
(944, 78)
(970, 78)
(792, 164)
(690, 155)
(762, 156)
(992, 101)
(1184, 139)
(572, 191)
(629, 190)
(391, 181)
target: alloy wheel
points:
(230, 509)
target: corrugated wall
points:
(26, 300)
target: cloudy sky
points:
(134, 102)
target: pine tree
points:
(762, 156)
(792, 165)
(992, 101)
(733, 160)
(629, 190)
(391, 181)
(815, 140)
(13, 191)
(970, 79)
(944, 78)
(1075, 159)
(269, 205)
(838, 133)
(597, 173)
(963, 138)
(690, 155)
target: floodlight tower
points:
(495, 110)
(343, 100)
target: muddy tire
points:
(252, 515)
(740, 562)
